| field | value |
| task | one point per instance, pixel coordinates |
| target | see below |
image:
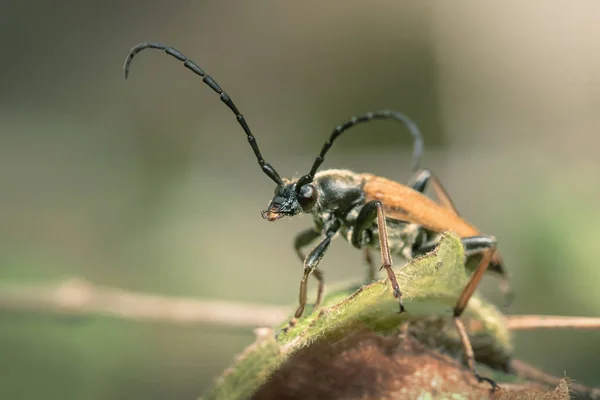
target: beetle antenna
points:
(382, 114)
(189, 64)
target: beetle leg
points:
(370, 212)
(364, 220)
(303, 239)
(310, 264)
(464, 338)
(419, 183)
(475, 246)
(370, 265)
(486, 246)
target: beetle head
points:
(291, 198)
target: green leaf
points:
(430, 287)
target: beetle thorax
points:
(339, 191)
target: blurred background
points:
(149, 184)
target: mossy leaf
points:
(430, 286)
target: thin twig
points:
(78, 297)
(525, 322)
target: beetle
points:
(369, 211)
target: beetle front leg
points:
(310, 264)
(303, 239)
(370, 212)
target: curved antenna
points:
(382, 114)
(189, 64)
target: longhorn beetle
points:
(369, 211)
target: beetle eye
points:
(307, 197)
